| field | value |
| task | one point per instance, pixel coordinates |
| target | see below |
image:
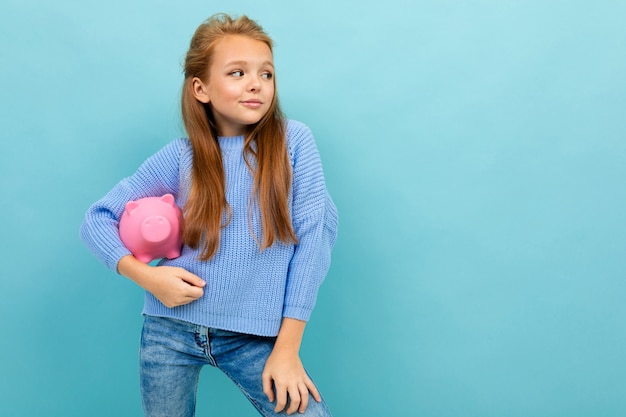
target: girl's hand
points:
(172, 286)
(175, 286)
(285, 373)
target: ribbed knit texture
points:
(247, 291)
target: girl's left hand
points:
(285, 373)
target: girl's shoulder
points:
(296, 129)
(176, 146)
(170, 153)
(299, 138)
(181, 142)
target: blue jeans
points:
(173, 353)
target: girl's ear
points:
(199, 90)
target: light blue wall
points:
(476, 152)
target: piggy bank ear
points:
(131, 205)
(168, 198)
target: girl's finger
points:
(281, 399)
(304, 398)
(313, 390)
(294, 400)
(267, 388)
(192, 279)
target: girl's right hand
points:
(171, 285)
(175, 286)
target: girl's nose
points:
(255, 84)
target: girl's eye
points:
(237, 73)
(267, 75)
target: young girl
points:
(258, 231)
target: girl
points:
(258, 231)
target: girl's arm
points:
(158, 175)
(172, 286)
(314, 217)
(285, 373)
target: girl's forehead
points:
(241, 48)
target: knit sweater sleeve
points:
(157, 176)
(314, 217)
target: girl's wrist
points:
(284, 348)
(134, 269)
(290, 336)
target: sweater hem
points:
(246, 325)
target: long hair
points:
(265, 151)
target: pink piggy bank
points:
(150, 228)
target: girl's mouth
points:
(252, 104)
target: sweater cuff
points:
(115, 256)
(298, 313)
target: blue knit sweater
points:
(247, 291)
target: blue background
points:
(476, 152)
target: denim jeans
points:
(173, 353)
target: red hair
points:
(207, 204)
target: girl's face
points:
(240, 85)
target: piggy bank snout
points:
(156, 229)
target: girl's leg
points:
(242, 357)
(171, 357)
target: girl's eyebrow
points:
(242, 62)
